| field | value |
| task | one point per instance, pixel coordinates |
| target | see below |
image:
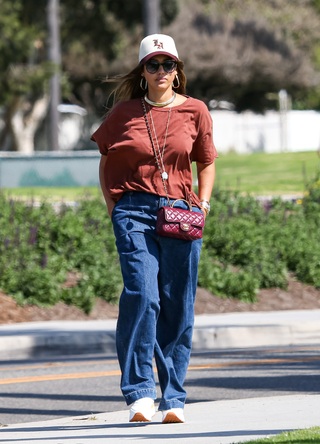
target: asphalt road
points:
(36, 390)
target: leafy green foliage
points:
(241, 51)
(310, 98)
(131, 12)
(312, 194)
(18, 49)
(222, 281)
(263, 243)
(246, 246)
(39, 246)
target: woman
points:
(156, 309)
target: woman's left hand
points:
(204, 210)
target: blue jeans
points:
(156, 308)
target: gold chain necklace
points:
(159, 155)
(164, 174)
(161, 104)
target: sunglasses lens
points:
(152, 66)
(169, 66)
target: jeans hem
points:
(172, 404)
(143, 393)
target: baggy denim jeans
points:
(156, 308)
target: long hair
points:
(129, 87)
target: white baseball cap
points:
(157, 44)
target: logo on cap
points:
(158, 44)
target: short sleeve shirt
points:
(131, 165)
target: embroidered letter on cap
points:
(158, 44)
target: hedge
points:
(246, 246)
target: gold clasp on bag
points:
(185, 227)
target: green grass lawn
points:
(283, 173)
(261, 173)
(52, 193)
(305, 436)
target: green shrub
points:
(312, 194)
(39, 246)
(246, 246)
(224, 282)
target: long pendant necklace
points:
(163, 172)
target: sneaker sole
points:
(139, 417)
(171, 418)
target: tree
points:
(237, 50)
(240, 50)
(93, 34)
(99, 40)
(22, 77)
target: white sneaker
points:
(172, 415)
(142, 410)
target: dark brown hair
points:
(129, 87)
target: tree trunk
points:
(22, 125)
(151, 17)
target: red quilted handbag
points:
(182, 224)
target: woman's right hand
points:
(110, 205)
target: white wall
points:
(273, 132)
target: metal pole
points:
(151, 16)
(55, 57)
(283, 102)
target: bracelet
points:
(204, 209)
(205, 204)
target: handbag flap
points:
(183, 217)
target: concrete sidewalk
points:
(211, 332)
(220, 422)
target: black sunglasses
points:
(169, 66)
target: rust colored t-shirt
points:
(131, 165)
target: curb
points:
(221, 331)
(257, 329)
(26, 347)
(255, 336)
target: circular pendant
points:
(164, 175)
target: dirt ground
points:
(298, 297)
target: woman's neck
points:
(159, 96)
